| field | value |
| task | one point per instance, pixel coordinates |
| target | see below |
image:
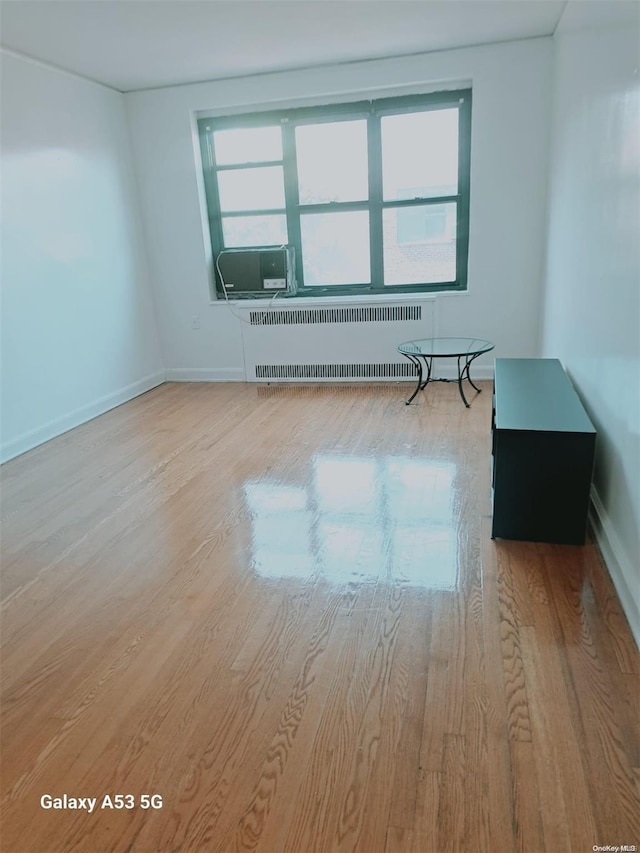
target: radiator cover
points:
(332, 343)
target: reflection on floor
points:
(369, 518)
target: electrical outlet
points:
(195, 322)
(275, 283)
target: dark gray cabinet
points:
(543, 447)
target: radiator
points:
(332, 343)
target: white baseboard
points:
(54, 428)
(236, 374)
(620, 568)
(204, 374)
(448, 369)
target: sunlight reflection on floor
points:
(358, 519)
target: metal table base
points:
(463, 373)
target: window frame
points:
(372, 111)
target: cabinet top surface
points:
(535, 394)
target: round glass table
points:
(422, 353)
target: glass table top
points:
(446, 347)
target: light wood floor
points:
(280, 610)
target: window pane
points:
(419, 244)
(335, 248)
(240, 231)
(260, 188)
(420, 154)
(332, 162)
(247, 145)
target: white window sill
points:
(311, 301)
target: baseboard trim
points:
(616, 561)
(58, 426)
(236, 374)
(204, 374)
(447, 369)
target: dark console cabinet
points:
(543, 451)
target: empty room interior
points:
(320, 426)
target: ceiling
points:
(142, 44)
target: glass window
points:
(369, 196)
(421, 223)
(429, 253)
(252, 189)
(420, 150)
(247, 145)
(332, 162)
(246, 231)
(335, 248)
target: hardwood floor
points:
(280, 610)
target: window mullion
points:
(375, 199)
(333, 206)
(211, 187)
(254, 211)
(464, 179)
(422, 202)
(258, 164)
(291, 195)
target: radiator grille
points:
(335, 371)
(360, 314)
(327, 389)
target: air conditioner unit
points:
(255, 273)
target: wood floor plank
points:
(279, 609)
(361, 761)
(598, 716)
(435, 708)
(426, 831)
(548, 781)
(476, 705)
(320, 787)
(413, 663)
(528, 825)
(452, 800)
(499, 768)
(400, 730)
(277, 823)
(619, 638)
(556, 683)
(510, 608)
(207, 788)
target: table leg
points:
(428, 363)
(419, 386)
(460, 375)
(464, 373)
(466, 370)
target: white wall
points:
(511, 96)
(592, 309)
(78, 325)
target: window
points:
(373, 196)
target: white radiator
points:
(332, 343)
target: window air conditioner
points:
(255, 273)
